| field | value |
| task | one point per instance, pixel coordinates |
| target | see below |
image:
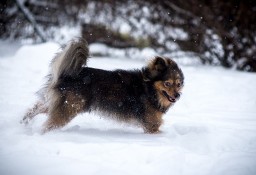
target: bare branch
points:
(29, 16)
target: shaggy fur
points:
(136, 95)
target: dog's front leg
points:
(152, 122)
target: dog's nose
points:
(176, 95)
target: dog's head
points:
(167, 79)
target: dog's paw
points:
(25, 121)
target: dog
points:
(140, 96)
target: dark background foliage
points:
(217, 32)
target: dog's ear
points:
(155, 68)
(158, 64)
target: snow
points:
(210, 131)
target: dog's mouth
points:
(170, 98)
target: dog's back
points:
(118, 93)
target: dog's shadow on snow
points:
(176, 132)
(114, 133)
(176, 129)
(96, 131)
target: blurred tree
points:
(34, 18)
(218, 32)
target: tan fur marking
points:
(65, 111)
(162, 99)
(153, 121)
(177, 81)
(170, 81)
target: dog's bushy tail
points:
(70, 60)
(67, 63)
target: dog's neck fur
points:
(153, 98)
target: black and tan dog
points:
(142, 95)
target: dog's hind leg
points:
(64, 110)
(38, 108)
(57, 121)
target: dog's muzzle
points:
(170, 98)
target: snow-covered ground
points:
(210, 131)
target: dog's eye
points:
(167, 84)
(178, 85)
